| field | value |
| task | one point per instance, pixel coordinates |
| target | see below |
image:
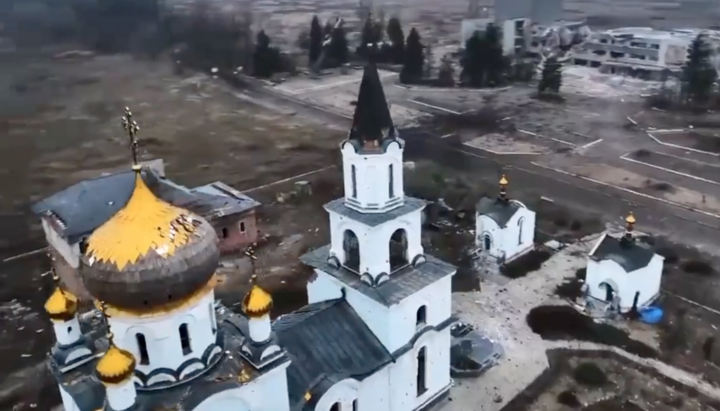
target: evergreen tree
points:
(397, 39)
(446, 73)
(474, 68)
(551, 76)
(698, 75)
(413, 58)
(266, 60)
(338, 49)
(493, 58)
(316, 40)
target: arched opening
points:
(391, 182)
(421, 316)
(353, 177)
(609, 292)
(335, 407)
(142, 349)
(421, 371)
(398, 250)
(185, 339)
(521, 222)
(355, 405)
(351, 246)
(487, 242)
(224, 232)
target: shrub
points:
(568, 398)
(590, 374)
(697, 267)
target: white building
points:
(624, 272)
(374, 337)
(504, 228)
(640, 51)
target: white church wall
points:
(436, 300)
(162, 335)
(370, 394)
(515, 239)
(375, 315)
(369, 186)
(268, 392)
(70, 252)
(403, 373)
(67, 332)
(605, 272)
(68, 401)
(374, 242)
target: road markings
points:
(632, 160)
(557, 140)
(687, 159)
(590, 144)
(23, 255)
(694, 150)
(285, 180)
(447, 135)
(627, 190)
(435, 107)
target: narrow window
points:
(185, 339)
(421, 316)
(391, 182)
(69, 330)
(213, 322)
(520, 230)
(242, 226)
(353, 176)
(335, 407)
(224, 232)
(421, 387)
(142, 348)
(355, 405)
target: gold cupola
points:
(62, 306)
(257, 301)
(117, 365)
(150, 253)
(503, 187)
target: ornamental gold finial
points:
(630, 219)
(132, 128)
(503, 180)
(104, 311)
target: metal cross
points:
(132, 128)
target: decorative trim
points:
(381, 278)
(418, 260)
(427, 328)
(367, 279)
(333, 261)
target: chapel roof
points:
(630, 255)
(500, 211)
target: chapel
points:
(375, 335)
(504, 227)
(623, 272)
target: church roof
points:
(498, 210)
(630, 256)
(402, 283)
(327, 340)
(372, 119)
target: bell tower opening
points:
(398, 250)
(351, 247)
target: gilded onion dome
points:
(116, 365)
(61, 306)
(150, 252)
(257, 301)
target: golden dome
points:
(116, 365)
(630, 219)
(61, 306)
(144, 224)
(503, 180)
(257, 302)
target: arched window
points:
(521, 222)
(353, 177)
(421, 316)
(351, 247)
(185, 339)
(421, 383)
(398, 250)
(142, 349)
(355, 405)
(335, 407)
(488, 241)
(391, 182)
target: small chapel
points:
(375, 335)
(622, 272)
(504, 227)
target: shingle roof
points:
(630, 256)
(327, 340)
(498, 210)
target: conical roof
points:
(372, 120)
(257, 302)
(62, 305)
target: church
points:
(374, 337)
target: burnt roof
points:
(372, 120)
(630, 255)
(327, 340)
(85, 206)
(500, 211)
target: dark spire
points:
(372, 121)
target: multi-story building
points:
(640, 51)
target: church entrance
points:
(398, 250)
(351, 247)
(609, 292)
(487, 242)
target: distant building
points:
(640, 51)
(505, 228)
(623, 273)
(68, 217)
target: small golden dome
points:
(503, 180)
(116, 366)
(307, 396)
(630, 219)
(257, 302)
(61, 306)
